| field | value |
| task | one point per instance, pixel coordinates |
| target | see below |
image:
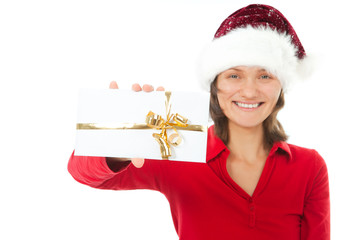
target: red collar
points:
(215, 146)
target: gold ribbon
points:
(134, 126)
(154, 121)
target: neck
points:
(246, 144)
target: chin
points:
(247, 125)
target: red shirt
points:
(291, 199)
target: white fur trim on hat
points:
(260, 46)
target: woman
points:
(253, 185)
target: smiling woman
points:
(254, 185)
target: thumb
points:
(138, 162)
(113, 85)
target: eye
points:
(233, 76)
(265, 77)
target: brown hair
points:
(273, 130)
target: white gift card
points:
(112, 123)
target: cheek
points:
(273, 91)
(221, 100)
(224, 85)
(274, 97)
(225, 91)
(224, 101)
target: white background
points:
(50, 49)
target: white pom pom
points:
(307, 66)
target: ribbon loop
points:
(180, 120)
(174, 136)
(164, 146)
(154, 120)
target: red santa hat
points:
(257, 35)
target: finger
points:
(113, 85)
(138, 162)
(136, 87)
(148, 88)
(160, 88)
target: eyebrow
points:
(236, 69)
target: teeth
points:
(244, 105)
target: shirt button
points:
(251, 208)
(252, 220)
(250, 200)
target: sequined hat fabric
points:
(257, 35)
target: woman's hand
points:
(137, 162)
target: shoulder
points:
(304, 165)
(306, 156)
(310, 167)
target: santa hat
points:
(257, 35)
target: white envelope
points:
(113, 107)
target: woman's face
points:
(247, 95)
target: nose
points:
(249, 88)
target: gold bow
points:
(172, 121)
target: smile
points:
(248, 106)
